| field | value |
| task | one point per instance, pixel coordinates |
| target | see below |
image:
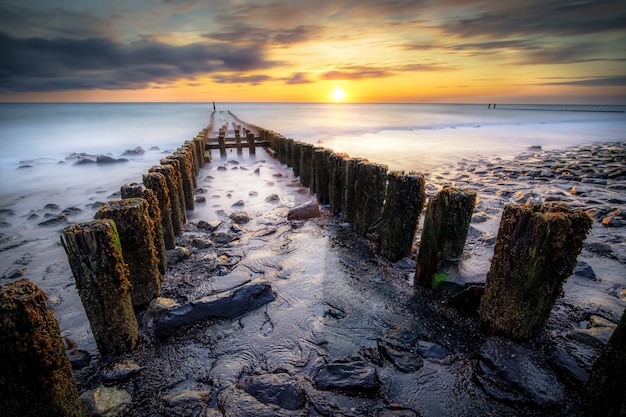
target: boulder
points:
(137, 151)
(305, 211)
(104, 159)
(58, 219)
(177, 254)
(105, 401)
(239, 216)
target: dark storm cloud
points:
(617, 81)
(540, 17)
(245, 34)
(37, 64)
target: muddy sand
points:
(342, 331)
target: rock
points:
(468, 298)
(79, 358)
(71, 210)
(52, 207)
(429, 350)
(602, 249)
(16, 272)
(239, 203)
(583, 269)
(401, 356)
(24, 166)
(613, 221)
(211, 225)
(257, 171)
(200, 199)
(305, 211)
(406, 263)
(156, 307)
(58, 219)
(186, 396)
(105, 401)
(119, 371)
(596, 337)
(279, 389)
(177, 254)
(84, 161)
(253, 193)
(228, 304)
(565, 364)
(534, 148)
(509, 372)
(350, 377)
(222, 238)
(235, 228)
(104, 159)
(239, 216)
(201, 243)
(222, 168)
(272, 198)
(137, 151)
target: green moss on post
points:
(174, 183)
(154, 211)
(136, 232)
(403, 205)
(178, 181)
(102, 280)
(157, 182)
(369, 193)
(535, 253)
(36, 377)
(606, 388)
(446, 223)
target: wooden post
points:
(195, 158)
(188, 154)
(187, 180)
(136, 232)
(446, 224)
(154, 211)
(251, 144)
(102, 279)
(238, 142)
(297, 155)
(199, 143)
(36, 377)
(321, 172)
(335, 186)
(174, 183)
(281, 149)
(369, 195)
(403, 205)
(306, 156)
(156, 182)
(289, 152)
(348, 196)
(607, 382)
(535, 253)
(222, 142)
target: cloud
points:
(242, 79)
(298, 78)
(356, 73)
(246, 34)
(608, 81)
(36, 64)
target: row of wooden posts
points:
(119, 259)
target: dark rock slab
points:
(239, 216)
(563, 363)
(509, 372)
(355, 377)
(430, 350)
(304, 211)
(279, 389)
(400, 355)
(58, 219)
(104, 159)
(119, 370)
(583, 269)
(228, 304)
(210, 225)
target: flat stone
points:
(351, 377)
(279, 389)
(105, 401)
(210, 225)
(583, 269)
(596, 336)
(429, 350)
(119, 371)
(177, 254)
(187, 396)
(406, 263)
(564, 363)
(401, 356)
(228, 304)
(305, 211)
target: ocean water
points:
(36, 140)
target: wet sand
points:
(338, 302)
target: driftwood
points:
(403, 206)
(36, 377)
(94, 253)
(535, 253)
(446, 223)
(136, 233)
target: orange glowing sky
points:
(530, 51)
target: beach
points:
(337, 301)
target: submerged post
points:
(369, 195)
(535, 253)
(36, 377)
(138, 191)
(136, 233)
(403, 205)
(95, 255)
(446, 223)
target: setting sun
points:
(338, 94)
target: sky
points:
(421, 51)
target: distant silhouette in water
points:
(489, 106)
(213, 106)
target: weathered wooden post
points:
(173, 180)
(36, 377)
(251, 144)
(335, 186)
(403, 206)
(187, 180)
(199, 143)
(156, 182)
(535, 253)
(238, 142)
(289, 152)
(446, 224)
(348, 196)
(102, 280)
(135, 190)
(136, 233)
(606, 388)
(188, 155)
(321, 173)
(369, 195)
(306, 156)
(195, 157)
(221, 139)
(281, 149)
(297, 155)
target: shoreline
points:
(530, 177)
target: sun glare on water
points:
(338, 94)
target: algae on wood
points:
(535, 253)
(36, 377)
(187, 177)
(136, 232)
(157, 182)
(369, 193)
(606, 389)
(102, 280)
(176, 186)
(446, 223)
(403, 205)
